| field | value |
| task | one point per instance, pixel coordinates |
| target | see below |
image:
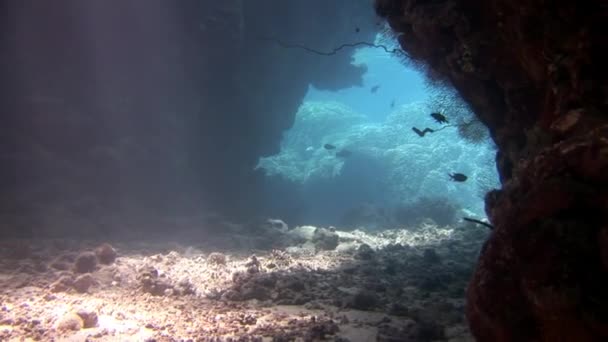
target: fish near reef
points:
(329, 147)
(375, 88)
(440, 118)
(458, 177)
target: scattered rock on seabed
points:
(317, 284)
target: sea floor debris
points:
(393, 285)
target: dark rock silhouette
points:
(536, 76)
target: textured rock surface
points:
(535, 74)
(393, 285)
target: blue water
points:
(398, 85)
(392, 177)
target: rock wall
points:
(535, 73)
(154, 106)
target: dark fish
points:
(344, 154)
(423, 132)
(393, 104)
(458, 177)
(329, 147)
(357, 30)
(440, 118)
(375, 88)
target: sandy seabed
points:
(306, 284)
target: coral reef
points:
(390, 165)
(535, 75)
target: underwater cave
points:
(270, 170)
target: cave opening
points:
(390, 170)
(346, 170)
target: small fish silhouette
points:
(458, 177)
(440, 118)
(375, 88)
(357, 30)
(329, 147)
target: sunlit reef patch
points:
(389, 165)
